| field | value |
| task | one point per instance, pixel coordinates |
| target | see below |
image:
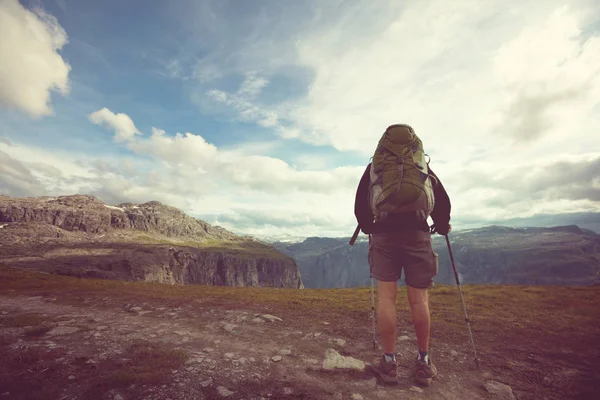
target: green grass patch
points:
(243, 249)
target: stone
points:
(334, 360)
(403, 338)
(356, 396)
(229, 355)
(339, 342)
(194, 360)
(63, 330)
(276, 358)
(229, 327)
(101, 328)
(371, 383)
(285, 352)
(118, 397)
(287, 391)
(317, 334)
(206, 383)
(135, 309)
(224, 392)
(453, 353)
(258, 320)
(97, 335)
(416, 389)
(271, 318)
(180, 333)
(72, 377)
(499, 390)
(338, 396)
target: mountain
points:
(564, 255)
(79, 235)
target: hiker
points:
(396, 194)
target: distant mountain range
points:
(562, 255)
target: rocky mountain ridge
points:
(566, 255)
(80, 235)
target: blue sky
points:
(260, 116)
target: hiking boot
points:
(387, 370)
(425, 372)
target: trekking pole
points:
(462, 299)
(373, 314)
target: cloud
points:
(31, 67)
(6, 141)
(120, 123)
(16, 179)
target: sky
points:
(260, 116)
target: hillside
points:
(68, 338)
(564, 255)
(81, 236)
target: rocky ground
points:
(236, 354)
(65, 338)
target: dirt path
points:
(234, 354)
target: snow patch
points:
(114, 208)
(2, 226)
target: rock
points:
(333, 360)
(101, 328)
(317, 334)
(229, 355)
(285, 352)
(258, 320)
(339, 342)
(181, 333)
(271, 318)
(229, 327)
(5, 313)
(217, 342)
(207, 382)
(356, 396)
(252, 359)
(97, 335)
(499, 390)
(72, 377)
(118, 397)
(135, 309)
(224, 392)
(371, 383)
(403, 338)
(416, 389)
(62, 330)
(453, 353)
(287, 391)
(338, 396)
(194, 360)
(276, 358)
(208, 350)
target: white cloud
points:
(31, 66)
(120, 123)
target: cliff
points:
(565, 255)
(81, 236)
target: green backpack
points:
(399, 177)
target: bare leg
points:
(419, 307)
(386, 314)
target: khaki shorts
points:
(412, 251)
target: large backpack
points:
(399, 178)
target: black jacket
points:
(403, 221)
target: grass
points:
(142, 363)
(558, 325)
(246, 249)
